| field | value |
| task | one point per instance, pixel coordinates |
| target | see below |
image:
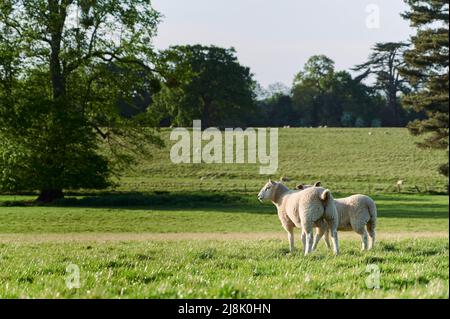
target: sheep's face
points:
(267, 191)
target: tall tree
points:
(207, 83)
(310, 86)
(64, 67)
(427, 67)
(385, 62)
(323, 96)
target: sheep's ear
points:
(300, 186)
(317, 184)
(284, 179)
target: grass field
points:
(347, 160)
(195, 231)
(222, 269)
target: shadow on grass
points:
(170, 201)
(389, 206)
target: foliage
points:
(384, 62)
(426, 68)
(206, 83)
(323, 96)
(64, 69)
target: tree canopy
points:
(385, 62)
(207, 83)
(323, 96)
(427, 67)
(64, 67)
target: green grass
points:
(414, 213)
(346, 160)
(159, 197)
(219, 269)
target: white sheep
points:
(306, 209)
(357, 213)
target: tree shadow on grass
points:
(170, 201)
(390, 207)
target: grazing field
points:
(404, 213)
(194, 231)
(415, 268)
(367, 160)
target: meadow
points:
(197, 231)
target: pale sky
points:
(276, 37)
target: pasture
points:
(197, 231)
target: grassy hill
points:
(345, 160)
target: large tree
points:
(385, 62)
(65, 65)
(427, 67)
(310, 87)
(206, 83)
(323, 96)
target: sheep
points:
(306, 209)
(356, 213)
(399, 185)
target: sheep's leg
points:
(321, 230)
(372, 240)
(332, 230)
(364, 239)
(371, 232)
(304, 241)
(308, 232)
(335, 242)
(327, 239)
(309, 242)
(291, 240)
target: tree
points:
(277, 111)
(427, 67)
(207, 83)
(384, 63)
(349, 100)
(278, 89)
(64, 67)
(323, 96)
(310, 86)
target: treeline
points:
(210, 84)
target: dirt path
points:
(115, 237)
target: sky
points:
(276, 37)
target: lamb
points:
(356, 213)
(313, 207)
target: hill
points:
(347, 160)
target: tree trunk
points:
(58, 14)
(393, 107)
(49, 195)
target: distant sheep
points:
(357, 213)
(399, 185)
(306, 209)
